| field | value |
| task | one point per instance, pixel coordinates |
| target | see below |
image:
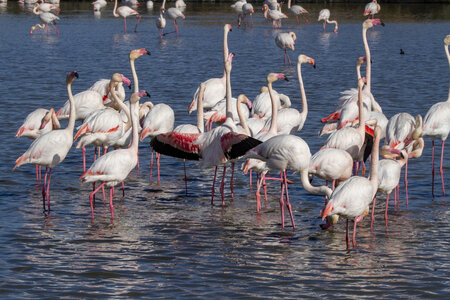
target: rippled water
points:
(166, 244)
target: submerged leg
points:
(212, 191)
(91, 198)
(440, 169)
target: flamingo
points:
(238, 9)
(99, 5)
(103, 127)
(31, 127)
(101, 86)
(124, 12)
(173, 14)
(274, 15)
(283, 152)
(388, 179)
(46, 18)
(437, 124)
(291, 120)
(372, 8)
(272, 4)
(161, 22)
(217, 114)
(324, 15)
(285, 40)
(114, 167)
(247, 9)
(351, 198)
(51, 148)
(297, 10)
(215, 87)
(47, 7)
(149, 4)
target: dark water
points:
(168, 245)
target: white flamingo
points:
(274, 15)
(372, 8)
(298, 10)
(99, 5)
(262, 105)
(51, 148)
(437, 124)
(285, 40)
(173, 14)
(324, 15)
(351, 198)
(215, 87)
(160, 22)
(46, 18)
(114, 167)
(247, 9)
(124, 12)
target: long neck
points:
(274, 122)
(71, 124)
(135, 78)
(229, 109)
(362, 120)
(163, 4)
(241, 118)
(358, 71)
(368, 60)
(286, 101)
(448, 59)
(374, 162)
(200, 124)
(123, 107)
(304, 112)
(115, 10)
(134, 116)
(316, 190)
(225, 45)
(289, 4)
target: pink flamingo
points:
(274, 15)
(372, 8)
(297, 10)
(114, 167)
(46, 18)
(51, 148)
(437, 124)
(124, 12)
(285, 40)
(351, 198)
(173, 14)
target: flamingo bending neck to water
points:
(324, 15)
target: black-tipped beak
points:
(382, 24)
(314, 66)
(75, 73)
(148, 52)
(285, 78)
(129, 87)
(234, 54)
(147, 94)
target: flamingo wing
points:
(177, 144)
(235, 144)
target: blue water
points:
(166, 244)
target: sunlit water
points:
(166, 244)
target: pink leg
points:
(83, 149)
(386, 211)
(56, 29)
(105, 150)
(138, 161)
(288, 204)
(95, 153)
(48, 189)
(91, 198)
(111, 206)
(151, 167)
(103, 192)
(157, 164)
(406, 183)
(347, 239)
(258, 194)
(212, 191)
(222, 185)
(357, 220)
(125, 23)
(440, 169)
(93, 189)
(323, 26)
(123, 189)
(306, 19)
(373, 213)
(282, 204)
(432, 168)
(46, 26)
(251, 17)
(37, 174)
(137, 23)
(40, 177)
(265, 189)
(43, 189)
(250, 175)
(298, 22)
(231, 182)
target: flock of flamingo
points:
(260, 133)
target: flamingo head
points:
(227, 27)
(134, 54)
(447, 40)
(126, 81)
(71, 76)
(293, 35)
(47, 118)
(306, 59)
(275, 76)
(243, 99)
(136, 96)
(360, 61)
(369, 23)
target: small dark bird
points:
(402, 52)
